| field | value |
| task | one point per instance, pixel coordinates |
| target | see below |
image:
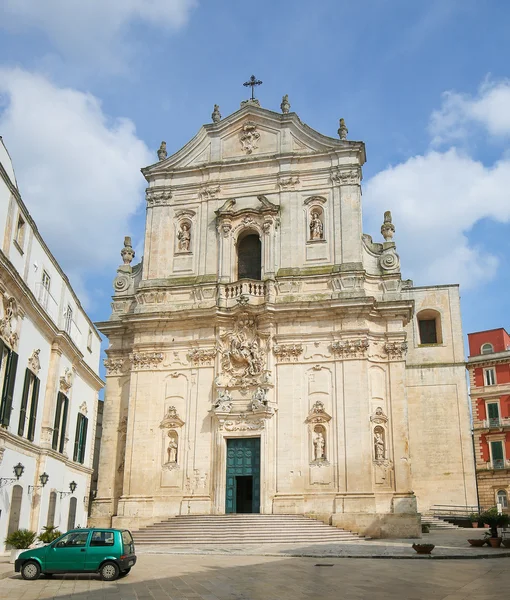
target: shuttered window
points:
(8, 365)
(80, 439)
(59, 427)
(28, 410)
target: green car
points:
(109, 552)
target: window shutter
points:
(65, 402)
(493, 411)
(10, 378)
(77, 437)
(24, 402)
(33, 410)
(83, 439)
(497, 450)
(56, 426)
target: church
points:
(266, 356)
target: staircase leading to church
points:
(436, 522)
(240, 529)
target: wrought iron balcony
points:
(498, 463)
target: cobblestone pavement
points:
(449, 543)
(191, 577)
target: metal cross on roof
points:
(252, 83)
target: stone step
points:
(232, 529)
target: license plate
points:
(131, 563)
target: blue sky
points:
(89, 89)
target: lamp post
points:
(18, 471)
(72, 487)
(43, 479)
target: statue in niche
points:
(316, 227)
(319, 445)
(172, 448)
(184, 237)
(379, 445)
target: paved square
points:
(187, 577)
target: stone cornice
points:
(31, 306)
(14, 442)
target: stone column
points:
(103, 507)
(50, 396)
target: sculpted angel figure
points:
(316, 227)
(379, 445)
(184, 237)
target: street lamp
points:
(43, 479)
(72, 486)
(18, 471)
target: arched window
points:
(429, 327)
(502, 498)
(249, 257)
(487, 349)
(51, 509)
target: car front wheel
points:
(109, 571)
(30, 570)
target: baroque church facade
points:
(266, 355)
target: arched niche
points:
(315, 219)
(171, 457)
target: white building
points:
(49, 382)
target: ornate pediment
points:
(171, 419)
(318, 414)
(249, 132)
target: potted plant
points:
(49, 534)
(20, 540)
(477, 543)
(493, 519)
(423, 548)
(474, 518)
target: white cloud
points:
(435, 200)
(461, 114)
(78, 170)
(94, 30)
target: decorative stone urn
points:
(423, 548)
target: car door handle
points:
(82, 549)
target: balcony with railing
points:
(495, 465)
(493, 423)
(245, 291)
(47, 301)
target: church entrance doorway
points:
(243, 475)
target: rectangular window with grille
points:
(59, 427)
(498, 458)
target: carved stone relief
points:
(249, 137)
(243, 354)
(241, 423)
(346, 176)
(171, 420)
(396, 350)
(223, 403)
(9, 322)
(350, 348)
(146, 360)
(66, 381)
(201, 357)
(34, 364)
(287, 352)
(114, 366)
(158, 196)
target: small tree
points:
(49, 534)
(494, 520)
(21, 539)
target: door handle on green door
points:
(82, 549)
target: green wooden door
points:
(243, 460)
